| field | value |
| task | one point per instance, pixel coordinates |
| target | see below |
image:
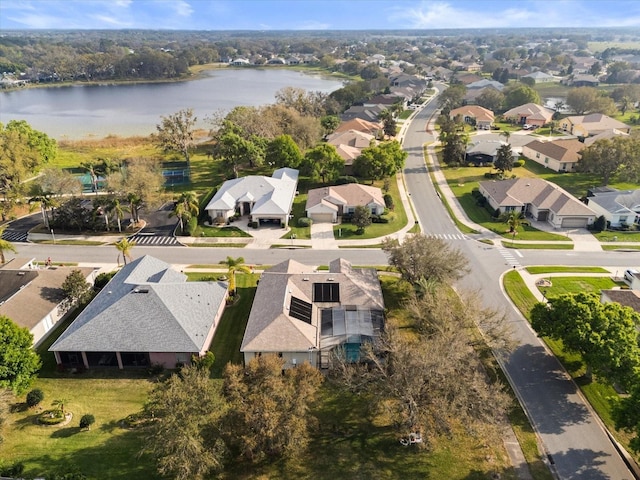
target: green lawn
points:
(597, 393)
(107, 450)
(561, 285)
(398, 218)
(537, 246)
(350, 440)
(564, 269)
(622, 237)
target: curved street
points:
(575, 444)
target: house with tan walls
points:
(303, 315)
(560, 155)
(537, 199)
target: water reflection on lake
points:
(86, 111)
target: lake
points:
(96, 111)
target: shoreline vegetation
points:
(196, 72)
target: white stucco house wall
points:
(262, 198)
(618, 207)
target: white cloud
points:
(111, 21)
(38, 21)
(183, 8)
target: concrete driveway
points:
(322, 236)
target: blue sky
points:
(315, 15)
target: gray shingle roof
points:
(146, 307)
(271, 328)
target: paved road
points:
(576, 445)
(571, 434)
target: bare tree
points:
(175, 132)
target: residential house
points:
(33, 297)
(581, 80)
(620, 207)
(240, 62)
(529, 113)
(302, 314)
(264, 199)
(485, 83)
(538, 199)
(387, 100)
(592, 124)
(540, 77)
(349, 145)
(369, 114)
(475, 115)
(147, 314)
(327, 204)
(558, 155)
(357, 124)
(627, 298)
(484, 152)
(605, 135)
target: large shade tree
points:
(270, 409)
(323, 162)
(282, 151)
(19, 362)
(185, 436)
(606, 335)
(608, 158)
(380, 161)
(175, 133)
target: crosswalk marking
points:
(507, 254)
(448, 236)
(154, 241)
(13, 236)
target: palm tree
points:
(45, 201)
(185, 208)
(235, 265)
(5, 245)
(118, 210)
(124, 246)
(135, 202)
(514, 220)
(506, 134)
(60, 404)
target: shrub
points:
(190, 226)
(253, 224)
(155, 369)
(87, 420)
(304, 222)
(14, 470)
(518, 163)
(34, 397)
(388, 201)
(346, 179)
(51, 417)
(490, 175)
(600, 224)
(102, 279)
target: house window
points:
(623, 219)
(182, 358)
(546, 159)
(538, 155)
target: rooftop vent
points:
(140, 290)
(305, 279)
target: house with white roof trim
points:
(264, 199)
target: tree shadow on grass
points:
(117, 458)
(65, 432)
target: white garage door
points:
(322, 217)
(574, 222)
